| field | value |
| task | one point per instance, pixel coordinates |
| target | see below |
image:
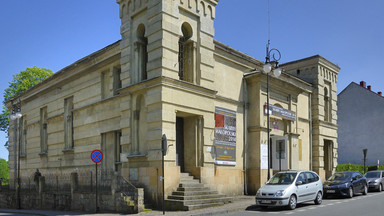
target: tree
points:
(21, 82)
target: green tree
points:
(21, 82)
(4, 171)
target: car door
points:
(302, 189)
(362, 182)
(313, 185)
(355, 183)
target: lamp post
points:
(270, 66)
(16, 115)
(365, 157)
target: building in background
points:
(167, 75)
(361, 124)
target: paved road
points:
(369, 205)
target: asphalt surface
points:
(360, 205)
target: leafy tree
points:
(4, 171)
(21, 82)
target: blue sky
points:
(53, 34)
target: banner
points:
(225, 136)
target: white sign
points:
(263, 156)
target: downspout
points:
(310, 131)
(245, 128)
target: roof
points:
(69, 67)
(362, 88)
(321, 58)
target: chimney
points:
(380, 93)
(369, 88)
(363, 84)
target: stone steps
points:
(193, 195)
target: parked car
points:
(289, 188)
(375, 180)
(346, 184)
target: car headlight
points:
(279, 193)
(377, 180)
(258, 193)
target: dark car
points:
(375, 180)
(345, 184)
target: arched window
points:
(141, 53)
(186, 52)
(326, 105)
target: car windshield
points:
(372, 175)
(339, 176)
(282, 178)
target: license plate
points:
(331, 191)
(266, 201)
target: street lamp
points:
(270, 67)
(365, 157)
(16, 114)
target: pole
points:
(18, 168)
(269, 175)
(97, 208)
(162, 179)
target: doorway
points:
(279, 153)
(180, 143)
(328, 158)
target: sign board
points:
(225, 136)
(96, 156)
(280, 112)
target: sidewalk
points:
(239, 203)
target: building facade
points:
(360, 121)
(167, 75)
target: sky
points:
(54, 34)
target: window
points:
(23, 136)
(104, 77)
(68, 123)
(140, 127)
(311, 177)
(43, 130)
(116, 80)
(327, 105)
(141, 53)
(117, 146)
(186, 54)
(302, 178)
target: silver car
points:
(289, 188)
(375, 180)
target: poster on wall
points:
(263, 156)
(225, 136)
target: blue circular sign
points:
(96, 156)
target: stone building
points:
(361, 124)
(167, 75)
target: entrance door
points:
(328, 158)
(180, 143)
(279, 153)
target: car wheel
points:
(350, 192)
(365, 192)
(292, 202)
(319, 198)
(380, 188)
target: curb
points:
(20, 212)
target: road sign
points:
(96, 156)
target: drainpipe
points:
(310, 131)
(245, 126)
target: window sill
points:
(68, 150)
(136, 155)
(43, 153)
